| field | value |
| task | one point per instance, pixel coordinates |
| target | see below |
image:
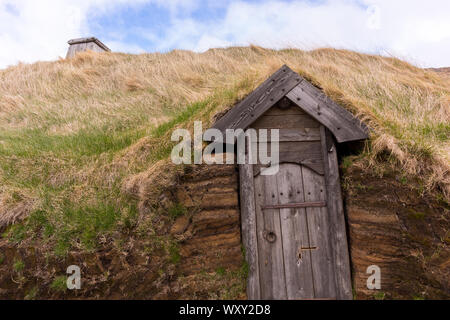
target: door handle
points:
(270, 236)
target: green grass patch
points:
(403, 180)
(32, 293)
(72, 224)
(129, 219)
(177, 210)
(59, 284)
(180, 117)
(417, 215)
(439, 131)
(18, 265)
(245, 267)
(84, 224)
(346, 163)
(221, 271)
(379, 296)
(30, 143)
(174, 253)
(15, 233)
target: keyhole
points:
(299, 256)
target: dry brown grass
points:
(94, 96)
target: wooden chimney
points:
(84, 44)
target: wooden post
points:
(248, 222)
(336, 217)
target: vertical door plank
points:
(336, 217)
(319, 234)
(248, 223)
(271, 264)
(295, 234)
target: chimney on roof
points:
(84, 44)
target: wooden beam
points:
(248, 223)
(89, 40)
(286, 122)
(343, 125)
(336, 217)
(287, 135)
(260, 100)
(315, 204)
(314, 164)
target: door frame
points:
(336, 218)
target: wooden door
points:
(295, 259)
(293, 225)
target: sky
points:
(414, 30)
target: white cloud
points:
(32, 30)
(412, 29)
(417, 30)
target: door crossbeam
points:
(316, 204)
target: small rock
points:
(180, 225)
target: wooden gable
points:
(286, 83)
(299, 135)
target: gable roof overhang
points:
(87, 40)
(286, 83)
